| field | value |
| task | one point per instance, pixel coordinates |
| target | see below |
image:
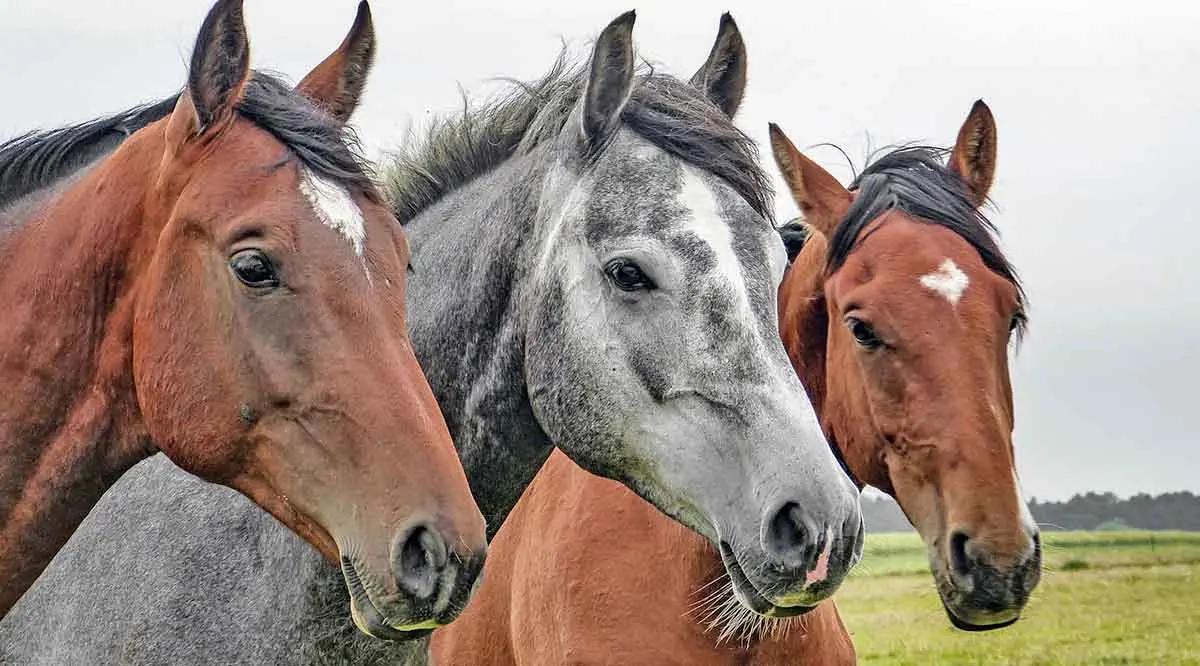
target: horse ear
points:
(723, 76)
(337, 83)
(819, 195)
(217, 74)
(610, 80)
(974, 156)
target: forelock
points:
(914, 181)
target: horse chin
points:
(368, 618)
(963, 618)
(964, 614)
(1000, 621)
(748, 595)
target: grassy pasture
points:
(1105, 598)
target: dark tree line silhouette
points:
(1090, 511)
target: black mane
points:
(794, 233)
(329, 148)
(914, 181)
(38, 159)
(671, 114)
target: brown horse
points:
(897, 314)
(227, 287)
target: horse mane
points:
(913, 179)
(38, 159)
(671, 114)
(794, 233)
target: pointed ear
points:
(337, 83)
(217, 74)
(723, 76)
(819, 195)
(974, 156)
(610, 80)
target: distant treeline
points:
(1091, 511)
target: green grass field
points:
(1105, 598)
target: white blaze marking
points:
(707, 223)
(337, 210)
(948, 280)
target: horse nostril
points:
(790, 539)
(958, 553)
(418, 561)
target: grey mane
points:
(671, 114)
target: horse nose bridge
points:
(781, 409)
(946, 389)
(974, 417)
(979, 489)
(792, 460)
(379, 387)
(394, 447)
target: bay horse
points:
(897, 314)
(594, 270)
(226, 286)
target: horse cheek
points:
(181, 375)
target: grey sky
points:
(1096, 102)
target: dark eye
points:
(863, 334)
(254, 269)
(627, 275)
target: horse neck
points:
(803, 321)
(69, 425)
(471, 253)
(805, 325)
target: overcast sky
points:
(1097, 105)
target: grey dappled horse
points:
(593, 269)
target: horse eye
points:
(627, 275)
(863, 334)
(254, 269)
